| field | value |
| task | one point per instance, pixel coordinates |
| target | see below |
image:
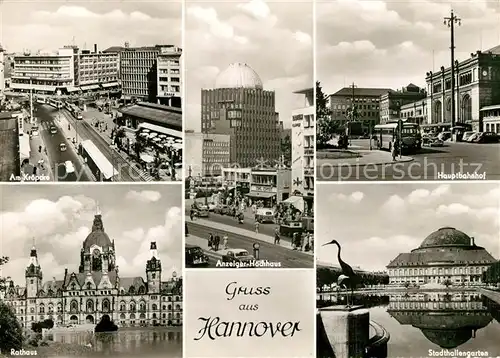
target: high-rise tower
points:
(153, 270)
(33, 275)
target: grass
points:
(337, 154)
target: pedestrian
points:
(394, 150)
(210, 241)
(191, 214)
(277, 236)
(256, 227)
(224, 241)
(217, 242)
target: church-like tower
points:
(153, 270)
(33, 275)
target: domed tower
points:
(33, 275)
(153, 270)
(98, 251)
(239, 106)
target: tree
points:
(492, 274)
(286, 149)
(327, 127)
(11, 333)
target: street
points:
(272, 253)
(46, 119)
(454, 158)
(85, 131)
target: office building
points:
(169, 76)
(392, 101)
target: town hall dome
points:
(446, 236)
(97, 236)
(238, 75)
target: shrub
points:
(11, 333)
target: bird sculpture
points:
(348, 277)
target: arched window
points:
(131, 290)
(164, 307)
(154, 307)
(153, 275)
(73, 286)
(122, 316)
(132, 306)
(51, 308)
(177, 307)
(142, 307)
(123, 306)
(89, 286)
(132, 316)
(142, 290)
(42, 308)
(90, 306)
(169, 307)
(74, 306)
(105, 306)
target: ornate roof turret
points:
(97, 236)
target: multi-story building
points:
(415, 112)
(447, 256)
(206, 154)
(138, 71)
(302, 138)
(240, 107)
(169, 76)
(477, 85)
(238, 178)
(97, 289)
(366, 105)
(491, 118)
(44, 74)
(156, 114)
(270, 185)
(391, 102)
(97, 69)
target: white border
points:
(315, 198)
(183, 181)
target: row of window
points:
(166, 71)
(438, 271)
(172, 79)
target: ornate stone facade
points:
(97, 289)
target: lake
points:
(422, 321)
(146, 342)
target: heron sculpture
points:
(348, 278)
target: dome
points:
(238, 75)
(97, 236)
(446, 236)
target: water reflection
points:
(419, 321)
(127, 342)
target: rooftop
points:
(170, 117)
(361, 92)
(238, 75)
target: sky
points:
(49, 25)
(273, 38)
(389, 44)
(374, 224)
(59, 218)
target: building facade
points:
(97, 289)
(477, 85)
(302, 138)
(44, 74)
(271, 185)
(415, 112)
(238, 178)
(366, 102)
(392, 101)
(206, 154)
(447, 256)
(491, 118)
(144, 112)
(98, 69)
(169, 78)
(239, 106)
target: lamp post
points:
(450, 22)
(457, 69)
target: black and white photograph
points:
(91, 270)
(408, 90)
(91, 91)
(408, 270)
(249, 172)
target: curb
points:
(406, 160)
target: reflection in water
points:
(420, 321)
(130, 342)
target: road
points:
(273, 253)
(453, 158)
(46, 117)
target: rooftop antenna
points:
(481, 40)
(33, 239)
(73, 41)
(433, 58)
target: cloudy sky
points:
(273, 38)
(60, 217)
(390, 43)
(374, 224)
(48, 25)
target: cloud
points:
(394, 203)
(355, 197)
(257, 8)
(144, 196)
(422, 196)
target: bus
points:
(55, 103)
(40, 100)
(100, 166)
(75, 111)
(386, 134)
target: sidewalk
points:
(203, 244)
(35, 156)
(243, 232)
(366, 157)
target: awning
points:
(296, 201)
(89, 87)
(160, 129)
(72, 89)
(155, 114)
(111, 84)
(24, 147)
(488, 108)
(436, 125)
(258, 194)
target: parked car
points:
(68, 165)
(53, 130)
(466, 136)
(264, 215)
(221, 209)
(486, 137)
(194, 256)
(211, 206)
(435, 142)
(237, 255)
(444, 136)
(472, 137)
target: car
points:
(487, 137)
(466, 135)
(472, 137)
(68, 165)
(211, 206)
(53, 130)
(221, 209)
(194, 256)
(435, 142)
(237, 255)
(444, 136)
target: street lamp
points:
(450, 22)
